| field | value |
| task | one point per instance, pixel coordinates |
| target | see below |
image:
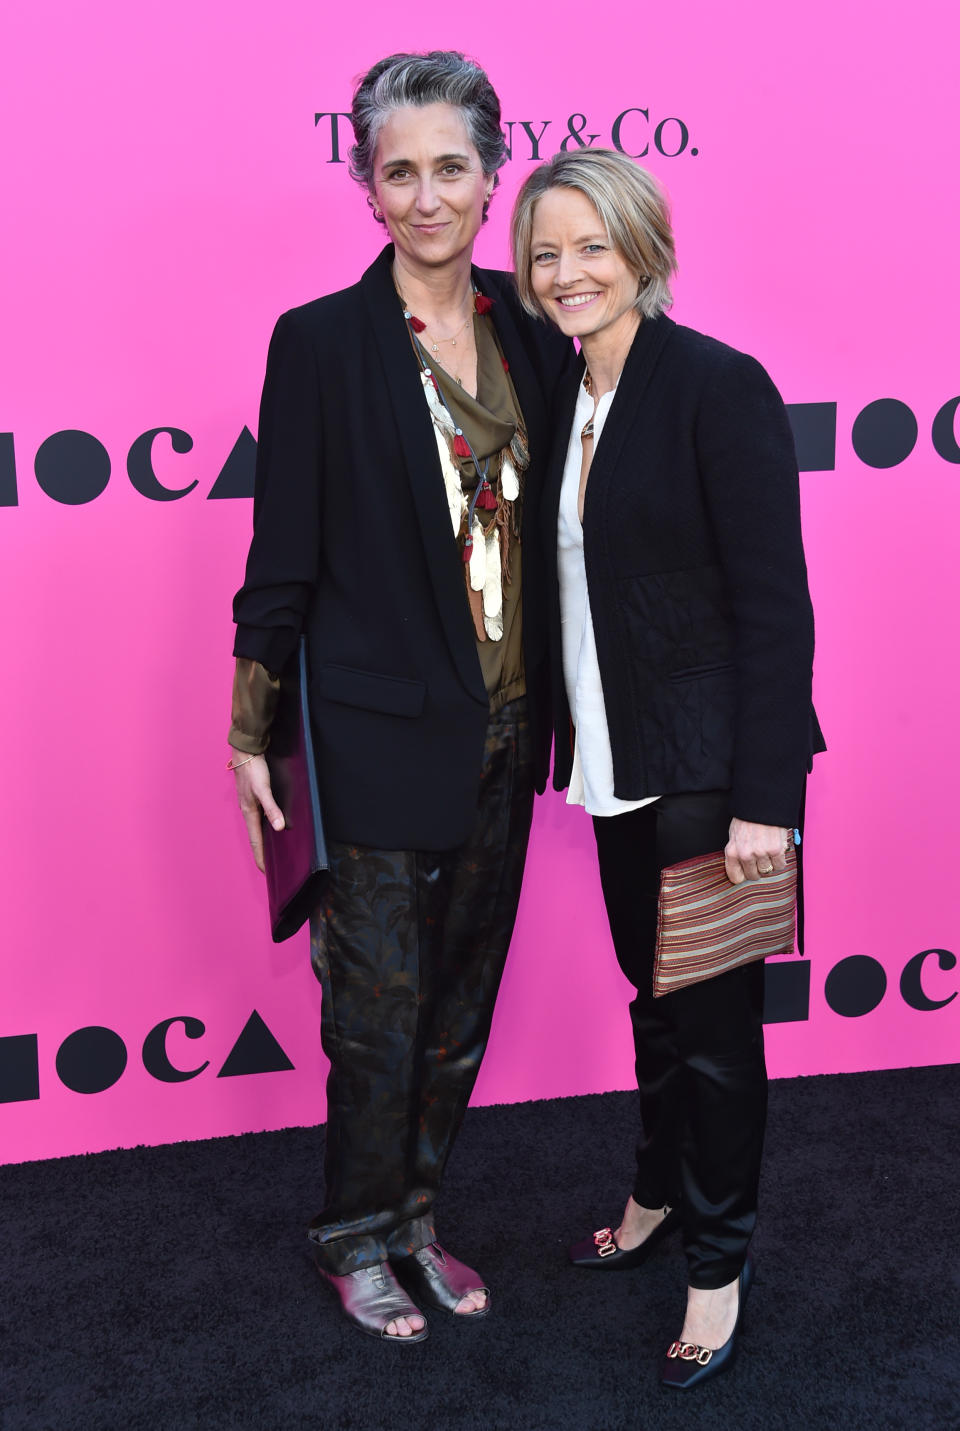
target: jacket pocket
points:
(711, 668)
(391, 695)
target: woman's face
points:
(429, 185)
(581, 280)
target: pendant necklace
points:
(435, 346)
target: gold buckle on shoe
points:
(690, 1351)
(605, 1243)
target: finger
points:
(251, 818)
(750, 866)
(733, 867)
(271, 810)
(255, 796)
(258, 794)
(772, 854)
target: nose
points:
(568, 268)
(428, 201)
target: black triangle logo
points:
(237, 473)
(255, 1051)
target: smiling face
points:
(580, 279)
(429, 185)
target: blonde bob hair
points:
(632, 207)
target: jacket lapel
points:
(650, 341)
(418, 444)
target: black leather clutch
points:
(295, 858)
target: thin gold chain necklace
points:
(435, 346)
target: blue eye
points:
(546, 257)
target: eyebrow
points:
(583, 238)
(409, 164)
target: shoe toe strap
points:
(373, 1297)
(441, 1277)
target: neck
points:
(435, 294)
(606, 352)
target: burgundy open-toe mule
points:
(372, 1298)
(436, 1278)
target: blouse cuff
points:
(255, 694)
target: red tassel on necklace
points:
(482, 304)
(417, 324)
(487, 497)
(506, 365)
(467, 547)
(461, 446)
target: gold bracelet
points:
(236, 765)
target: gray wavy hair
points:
(439, 77)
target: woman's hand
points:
(755, 850)
(254, 794)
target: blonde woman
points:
(682, 643)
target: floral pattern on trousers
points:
(409, 947)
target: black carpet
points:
(168, 1287)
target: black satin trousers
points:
(699, 1051)
(409, 947)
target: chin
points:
(578, 329)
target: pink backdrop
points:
(166, 193)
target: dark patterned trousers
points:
(409, 947)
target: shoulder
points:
(728, 395)
(502, 288)
(498, 283)
(715, 364)
(321, 313)
(318, 332)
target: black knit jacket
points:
(697, 579)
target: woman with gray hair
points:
(681, 639)
(402, 426)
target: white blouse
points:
(591, 781)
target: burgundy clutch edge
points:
(295, 858)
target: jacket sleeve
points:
(751, 486)
(282, 566)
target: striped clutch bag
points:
(706, 925)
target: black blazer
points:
(352, 541)
(697, 580)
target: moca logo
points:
(857, 985)
(854, 987)
(92, 1059)
(74, 467)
